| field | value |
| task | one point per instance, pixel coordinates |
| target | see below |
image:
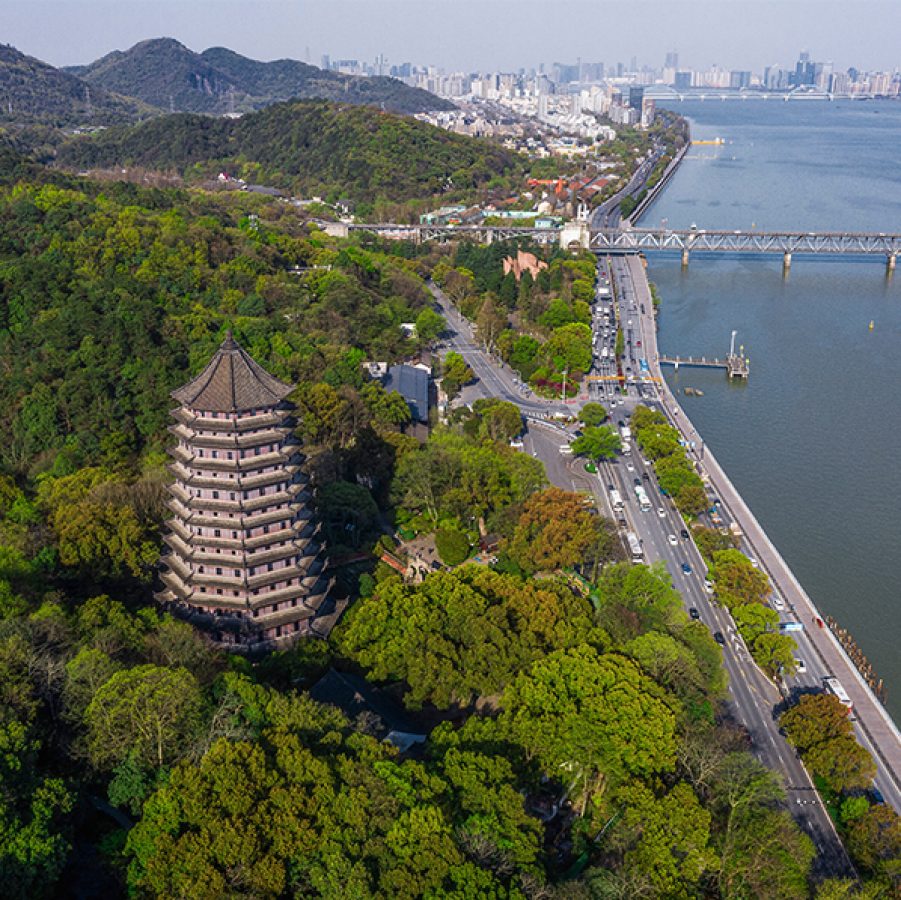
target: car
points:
(777, 603)
(610, 487)
(800, 665)
(630, 467)
(672, 539)
(753, 562)
(686, 568)
(718, 637)
(645, 476)
(636, 481)
(638, 343)
(684, 534)
(708, 585)
(694, 613)
(661, 512)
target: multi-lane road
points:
(817, 647)
(754, 699)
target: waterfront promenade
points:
(874, 726)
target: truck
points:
(786, 627)
(634, 547)
(625, 433)
(616, 501)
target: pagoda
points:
(243, 560)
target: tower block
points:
(243, 561)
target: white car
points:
(753, 562)
(630, 467)
(661, 512)
(673, 540)
(777, 603)
(708, 585)
(799, 664)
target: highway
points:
(817, 647)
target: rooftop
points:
(232, 382)
(412, 384)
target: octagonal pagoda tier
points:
(243, 558)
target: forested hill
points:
(170, 76)
(309, 147)
(32, 92)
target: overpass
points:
(786, 244)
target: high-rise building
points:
(636, 96)
(672, 60)
(682, 81)
(243, 560)
(739, 79)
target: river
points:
(812, 440)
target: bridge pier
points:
(786, 261)
(890, 264)
(685, 258)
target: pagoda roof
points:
(232, 382)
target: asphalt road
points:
(816, 647)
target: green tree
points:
(597, 443)
(592, 414)
(592, 718)
(737, 581)
(455, 373)
(429, 324)
(490, 323)
(501, 420)
(452, 545)
(874, 842)
(149, 711)
(667, 839)
(814, 719)
(842, 763)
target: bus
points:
(642, 497)
(616, 501)
(634, 547)
(834, 686)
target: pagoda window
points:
(237, 575)
(218, 571)
(215, 454)
(215, 495)
(217, 532)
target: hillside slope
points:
(310, 147)
(32, 91)
(168, 75)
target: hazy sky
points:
(472, 34)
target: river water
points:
(812, 441)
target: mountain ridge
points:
(168, 75)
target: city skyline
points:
(464, 34)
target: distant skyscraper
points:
(682, 81)
(672, 60)
(243, 561)
(325, 62)
(636, 97)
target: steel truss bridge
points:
(639, 240)
(784, 242)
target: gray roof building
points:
(413, 385)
